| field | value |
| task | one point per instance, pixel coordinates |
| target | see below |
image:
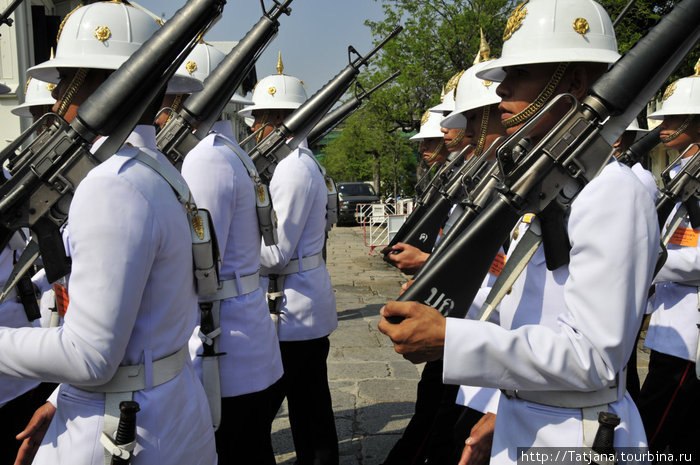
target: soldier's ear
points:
(580, 81)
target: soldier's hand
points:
(34, 433)
(406, 257)
(420, 337)
(477, 447)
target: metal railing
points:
(380, 221)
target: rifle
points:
(684, 187)
(203, 108)
(337, 116)
(636, 151)
(5, 15)
(46, 172)
(561, 164)
(425, 232)
(276, 146)
(454, 161)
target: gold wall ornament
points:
(424, 118)
(669, 91)
(272, 90)
(102, 33)
(191, 67)
(515, 20)
(198, 225)
(581, 26)
(50, 87)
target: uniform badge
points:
(198, 226)
(261, 193)
(487, 84)
(581, 26)
(669, 91)
(50, 87)
(515, 20)
(272, 90)
(191, 67)
(102, 33)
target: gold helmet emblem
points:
(425, 118)
(102, 33)
(581, 26)
(191, 67)
(669, 91)
(272, 90)
(515, 20)
(50, 86)
(487, 84)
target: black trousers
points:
(305, 384)
(669, 403)
(428, 438)
(243, 436)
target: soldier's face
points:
(453, 141)
(268, 118)
(428, 147)
(521, 87)
(688, 136)
(494, 128)
(80, 91)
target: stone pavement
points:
(373, 388)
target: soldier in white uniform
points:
(670, 397)
(308, 313)
(564, 335)
(251, 365)
(132, 288)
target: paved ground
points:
(372, 387)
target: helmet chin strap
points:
(678, 131)
(484, 128)
(455, 142)
(436, 152)
(264, 119)
(174, 107)
(541, 99)
(75, 83)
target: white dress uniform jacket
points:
(673, 326)
(132, 301)
(220, 183)
(568, 330)
(299, 196)
(12, 315)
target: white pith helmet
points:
(429, 127)
(103, 36)
(36, 93)
(634, 126)
(235, 98)
(276, 92)
(447, 100)
(201, 62)
(554, 31)
(472, 92)
(681, 97)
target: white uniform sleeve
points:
(614, 244)
(291, 198)
(106, 286)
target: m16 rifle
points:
(334, 117)
(46, 171)
(425, 232)
(455, 161)
(684, 187)
(640, 148)
(295, 127)
(203, 108)
(561, 164)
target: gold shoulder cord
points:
(541, 99)
(679, 131)
(75, 84)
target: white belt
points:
(133, 377)
(307, 263)
(572, 399)
(229, 288)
